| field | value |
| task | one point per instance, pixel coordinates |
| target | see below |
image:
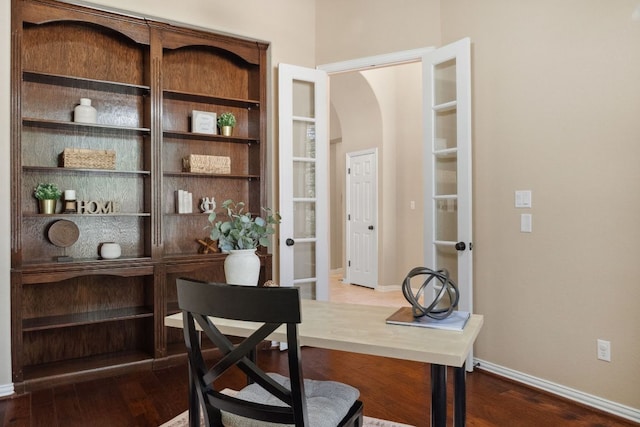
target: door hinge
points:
(348, 217)
(348, 171)
(349, 263)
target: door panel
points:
(447, 124)
(362, 227)
(303, 168)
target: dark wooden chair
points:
(271, 397)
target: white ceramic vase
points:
(110, 250)
(242, 267)
(85, 113)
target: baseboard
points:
(6, 389)
(388, 288)
(596, 402)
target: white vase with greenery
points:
(239, 236)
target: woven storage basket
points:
(88, 159)
(199, 163)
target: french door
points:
(447, 162)
(303, 165)
(303, 175)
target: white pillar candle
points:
(69, 194)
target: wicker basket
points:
(88, 159)
(199, 163)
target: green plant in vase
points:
(48, 195)
(226, 123)
(239, 236)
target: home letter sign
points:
(95, 207)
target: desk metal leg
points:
(438, 395)
(194, 407)
(460, 396)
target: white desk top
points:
(362, 329)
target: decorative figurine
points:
(208, 205)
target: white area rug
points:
(182, 420)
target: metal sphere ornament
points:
(438, 308)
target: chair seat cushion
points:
(328, 402)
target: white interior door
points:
(447, 109)
(304, 189)
(362, 223)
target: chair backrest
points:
(271, 307)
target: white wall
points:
(361, 28)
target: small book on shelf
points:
(455, 322)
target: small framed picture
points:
(203, 122)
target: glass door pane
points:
(445, 163)
(304, 187)
(303, 154)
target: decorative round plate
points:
(63, 233)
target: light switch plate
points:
(525, 223)
(523, 198)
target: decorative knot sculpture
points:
(440, 307)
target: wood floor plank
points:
(390, 389)
(152, 390)
(15, 411)
(67, 406)
(141, 405)
(103, 405)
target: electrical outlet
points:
(604, 350)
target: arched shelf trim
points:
(47, 13)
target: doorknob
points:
(460, 246)
(289, 242)
(371, 227)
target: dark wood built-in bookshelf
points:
(88, 317)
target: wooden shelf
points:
(198, 214)
(206, 137)
(80, 367)
(86, 318)
(48, 169)
(183, 259)
(59, 124)
(38, 273)
(212, 175)
(84, 83)
(209, 99)
(77, 216)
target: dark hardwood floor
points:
(390, 389)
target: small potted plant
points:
(48, 195)
(226, 123)
(239, 236)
